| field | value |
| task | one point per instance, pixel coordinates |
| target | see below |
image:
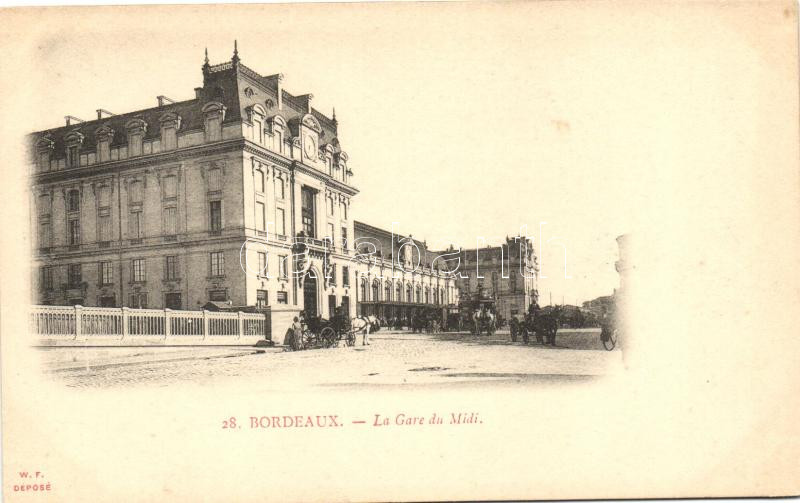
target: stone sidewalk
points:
(392, 359)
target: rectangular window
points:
(262, 264)
(138, 271)
(74, 232)
(280, 191)
(47, 278)
(75, 275)
(213, 129)
(283, 297)
(44, 161)
(73, 200)
(330, 206)
(138, 300)
(346, 276)
(44, 235)
(44, 204)
(280, 222)
(104, 150)
(104, 231)
(262, 298)
(217, 264)
(258, 131)
(104, 198)
(344, 238)
(170, 221)
(73, 160)
(135, 224)
(282, 273)
(135, 192)
(260, 181)
(308, 211)
(214, 180)
(215, 210)
(169, 139)
(170, 187)
(171, 272)
(106, 273)
(134, 145)
(332, 279)
(331, 235)
(260, 217)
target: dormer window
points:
(170, 124)
(104, 136)
(44, 149)
(136, 129)
(73, 141)
(214, 114)
(278, 129)
(72, 156)
(256, 115)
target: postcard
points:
(403, 251)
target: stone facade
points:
(196, 200)
(506, 273)
(242, 194)
(399, 275)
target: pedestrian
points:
(297, 334)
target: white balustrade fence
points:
(85, 323)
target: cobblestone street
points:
(392, 358)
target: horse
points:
(545, 325)
(362, 324)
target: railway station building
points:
(242, 194)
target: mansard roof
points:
(236, 86)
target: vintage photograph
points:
(400, 251)
(172, 239)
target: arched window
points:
(376, 289)
(398, 293)
(409, 294)
(442, 296)
(387, 292)
(419, 294)
(363, 290)
(427, 295)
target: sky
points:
(463, 122)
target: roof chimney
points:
(100, 113)
(197, 91)
(161, 99)
(70, 118)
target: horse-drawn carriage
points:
(428, 320)
(321, 333)
(542, 323)
(479, 313)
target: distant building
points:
(506, 273)
(399, 275)
(598, 306)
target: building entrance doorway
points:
(310, 295)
